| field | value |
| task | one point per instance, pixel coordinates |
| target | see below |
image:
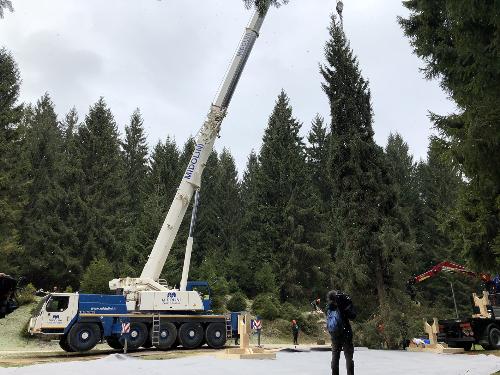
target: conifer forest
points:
(82, 203)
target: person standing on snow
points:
(339, 312)
(295, 332)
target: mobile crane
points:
(483, 327)
(154, 313)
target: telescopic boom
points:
(191, 180)
(204, 145)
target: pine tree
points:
(367, 228)
(11, 163)
(317, 157)
(96, 277)
(71, 207)
(437, 232)
(103, 188)
(230, 203)
(458, 40)
(207, 236)
(404, 174)
(250, 241)
(403, 170)
(46, 259)
(218, 225)
(136, 152)
(286, 209)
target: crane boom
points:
(191, 180)
(449, 267)
(204, 145)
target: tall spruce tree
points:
(136, 152)
(208, 226)
(46, 258)
(458, 41)
(230, 203)
(11, 163)
(317, 157)
(250, 241)
(72, 206)
(369, 239)
(286, 209)
(103, 189)
(403, 171)
(218, 224)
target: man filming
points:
(339, 312)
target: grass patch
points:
(13, 335)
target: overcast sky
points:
(168, 58)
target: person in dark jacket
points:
(295, 332)
(342, 340)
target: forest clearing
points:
(338, 207)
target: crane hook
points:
(340, 8)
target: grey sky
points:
(168, 58)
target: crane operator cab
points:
(203, 290)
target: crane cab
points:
(54, 313)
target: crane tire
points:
(215, 335)
(83, 337)
(494, 337)
(168, 336)
(63, 343)
(114, 342)
(191, 335)
(137, 336)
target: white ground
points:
(368, 362)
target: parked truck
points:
(147, 309)
(483, 327)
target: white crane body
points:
(143, 291)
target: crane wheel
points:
(63, 343)
(494, 338)
(137, 336)
(215, 335)
(114, 342)
(168, 336)
(83, 337)
(191, 335)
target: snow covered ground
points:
(368, 362)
